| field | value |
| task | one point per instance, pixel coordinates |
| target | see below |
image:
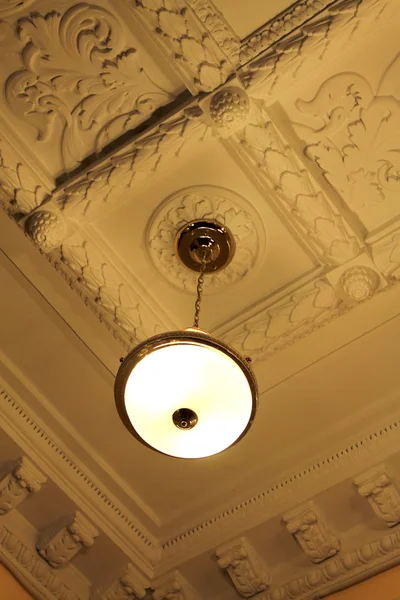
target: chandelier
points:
(185, 393)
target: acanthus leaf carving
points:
(382, 494)
(353, 142)
(279, 325)
(128, 587)
(16, 555)
(276, 165)
(77, 73)
(312, 533)
(104, 183)
(58, 544)
(202, 63)
(307, 46)
(174, 587)
(24, 480)
(201, 202)
(107, 288)
(245, 568)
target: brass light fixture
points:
(185, 393)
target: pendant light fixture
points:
(185, 393)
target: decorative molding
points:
(339, 572)
(285, 23)
(10, 7)
(31, 569)
(381, 492)
(279, 66)
(282, 323)
(198, 57)
(312, 532)
(386, 255)
(80, 84)
(216, 24)
(46, 228)
(245, 568)
(129, 586)
(359, 283)
(19, 183)
(101, 282)
(25, 479)
(199, 202)
(139, 543)
(60, 543)
(106, 182)
(352, 142)
(275, 164)
(229, 109)
(174, 587)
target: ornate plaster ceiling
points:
(119, 122)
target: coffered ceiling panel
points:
(120, 122)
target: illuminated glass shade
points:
(186, 394)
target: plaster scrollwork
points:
(104, 284)
(24, 480)
(359, 283)
(275, 163)
(106, 182)
(46, 228)
(9, 7)
(201, 202)
(312, 533)
(59, 544)
(280, 325)
(128, 587)
(31, 568)
(77, 72)
(353, 142)
(382, 494)
(386, 255)
(245, 568)
(280, 65)
(199, 58)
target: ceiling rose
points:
(206, 202)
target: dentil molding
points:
(312, 532)
(24, 480)
(81, 86)
(202, 202)
(60, 543)
(245, 567)
(382, 493)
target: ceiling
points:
(121, 121)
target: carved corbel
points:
(245, 568)
(130, 586)
(312, 532)
(382, 494)
(47, 228)
(59, 544)
(174, 587)
(24, 480)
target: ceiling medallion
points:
(207, 203)
(185, 393)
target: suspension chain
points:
(200, 283)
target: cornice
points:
(155, 558)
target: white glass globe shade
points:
(183, 373)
